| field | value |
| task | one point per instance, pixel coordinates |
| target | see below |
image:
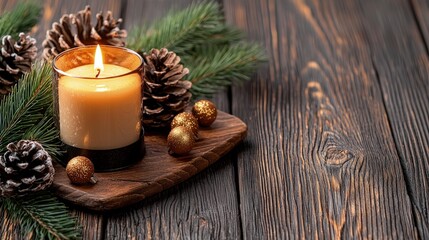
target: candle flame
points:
(98, 61)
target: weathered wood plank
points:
(52, 11)
(93, 223)
(201, 208)
(420, 10)
(321, 161)
(157, 171)
(140, 13)
(399, 56)
(204, 207)
(6, 5)
(8, 229)
(196, 209)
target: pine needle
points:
(46, 133)
(214, 69)
(27, 110)
(216, 54)
(27, 113)
(199, 24)
(42, 216)
(21, 19)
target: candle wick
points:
(98, 74)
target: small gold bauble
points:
(186, 120)
(205, 112)
(180, 140)
(80, 170)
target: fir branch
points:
(199, 24)
(212, 69)
(46, 133)
(42, 216)
(216, 54)
(21, 19)
(27, 113)
(25, 108)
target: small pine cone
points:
(107, 30)
(64, 36)
(16, 58)
(25, 167)
(165, 93)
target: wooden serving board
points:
(157, 171)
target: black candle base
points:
(112, 159)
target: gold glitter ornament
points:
(180, 140)
(205, 112)
(80, 170)
(186, 120)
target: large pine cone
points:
(165, 93)
(25, 167)
(64, 36)
(16, 58)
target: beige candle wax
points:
(99, 113)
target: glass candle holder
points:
(98, 110)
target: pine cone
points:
(64, 36)
(25, 167)
(16, 58)
(165, 93)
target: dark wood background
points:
(338, 139)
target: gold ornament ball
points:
(180, 140)
(80, 170)
(186, 120)
(205, 112)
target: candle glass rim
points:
(131, 71)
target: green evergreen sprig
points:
(27, 111)
(215, 53)
(21, 19)
(199, 24)
(213, 69)
(27, 114)
(46, 134)
(41, 216)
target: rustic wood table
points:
(338, 133)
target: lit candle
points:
(99, 105)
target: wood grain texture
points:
(195, 209)
(400, 58)
(6, 5)
(140, 13)
(321, 156)
(338, 140)
(93, 224)
(420, 10)
(204, 207)
(213, 225)
(157, 171)
(52, 11)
